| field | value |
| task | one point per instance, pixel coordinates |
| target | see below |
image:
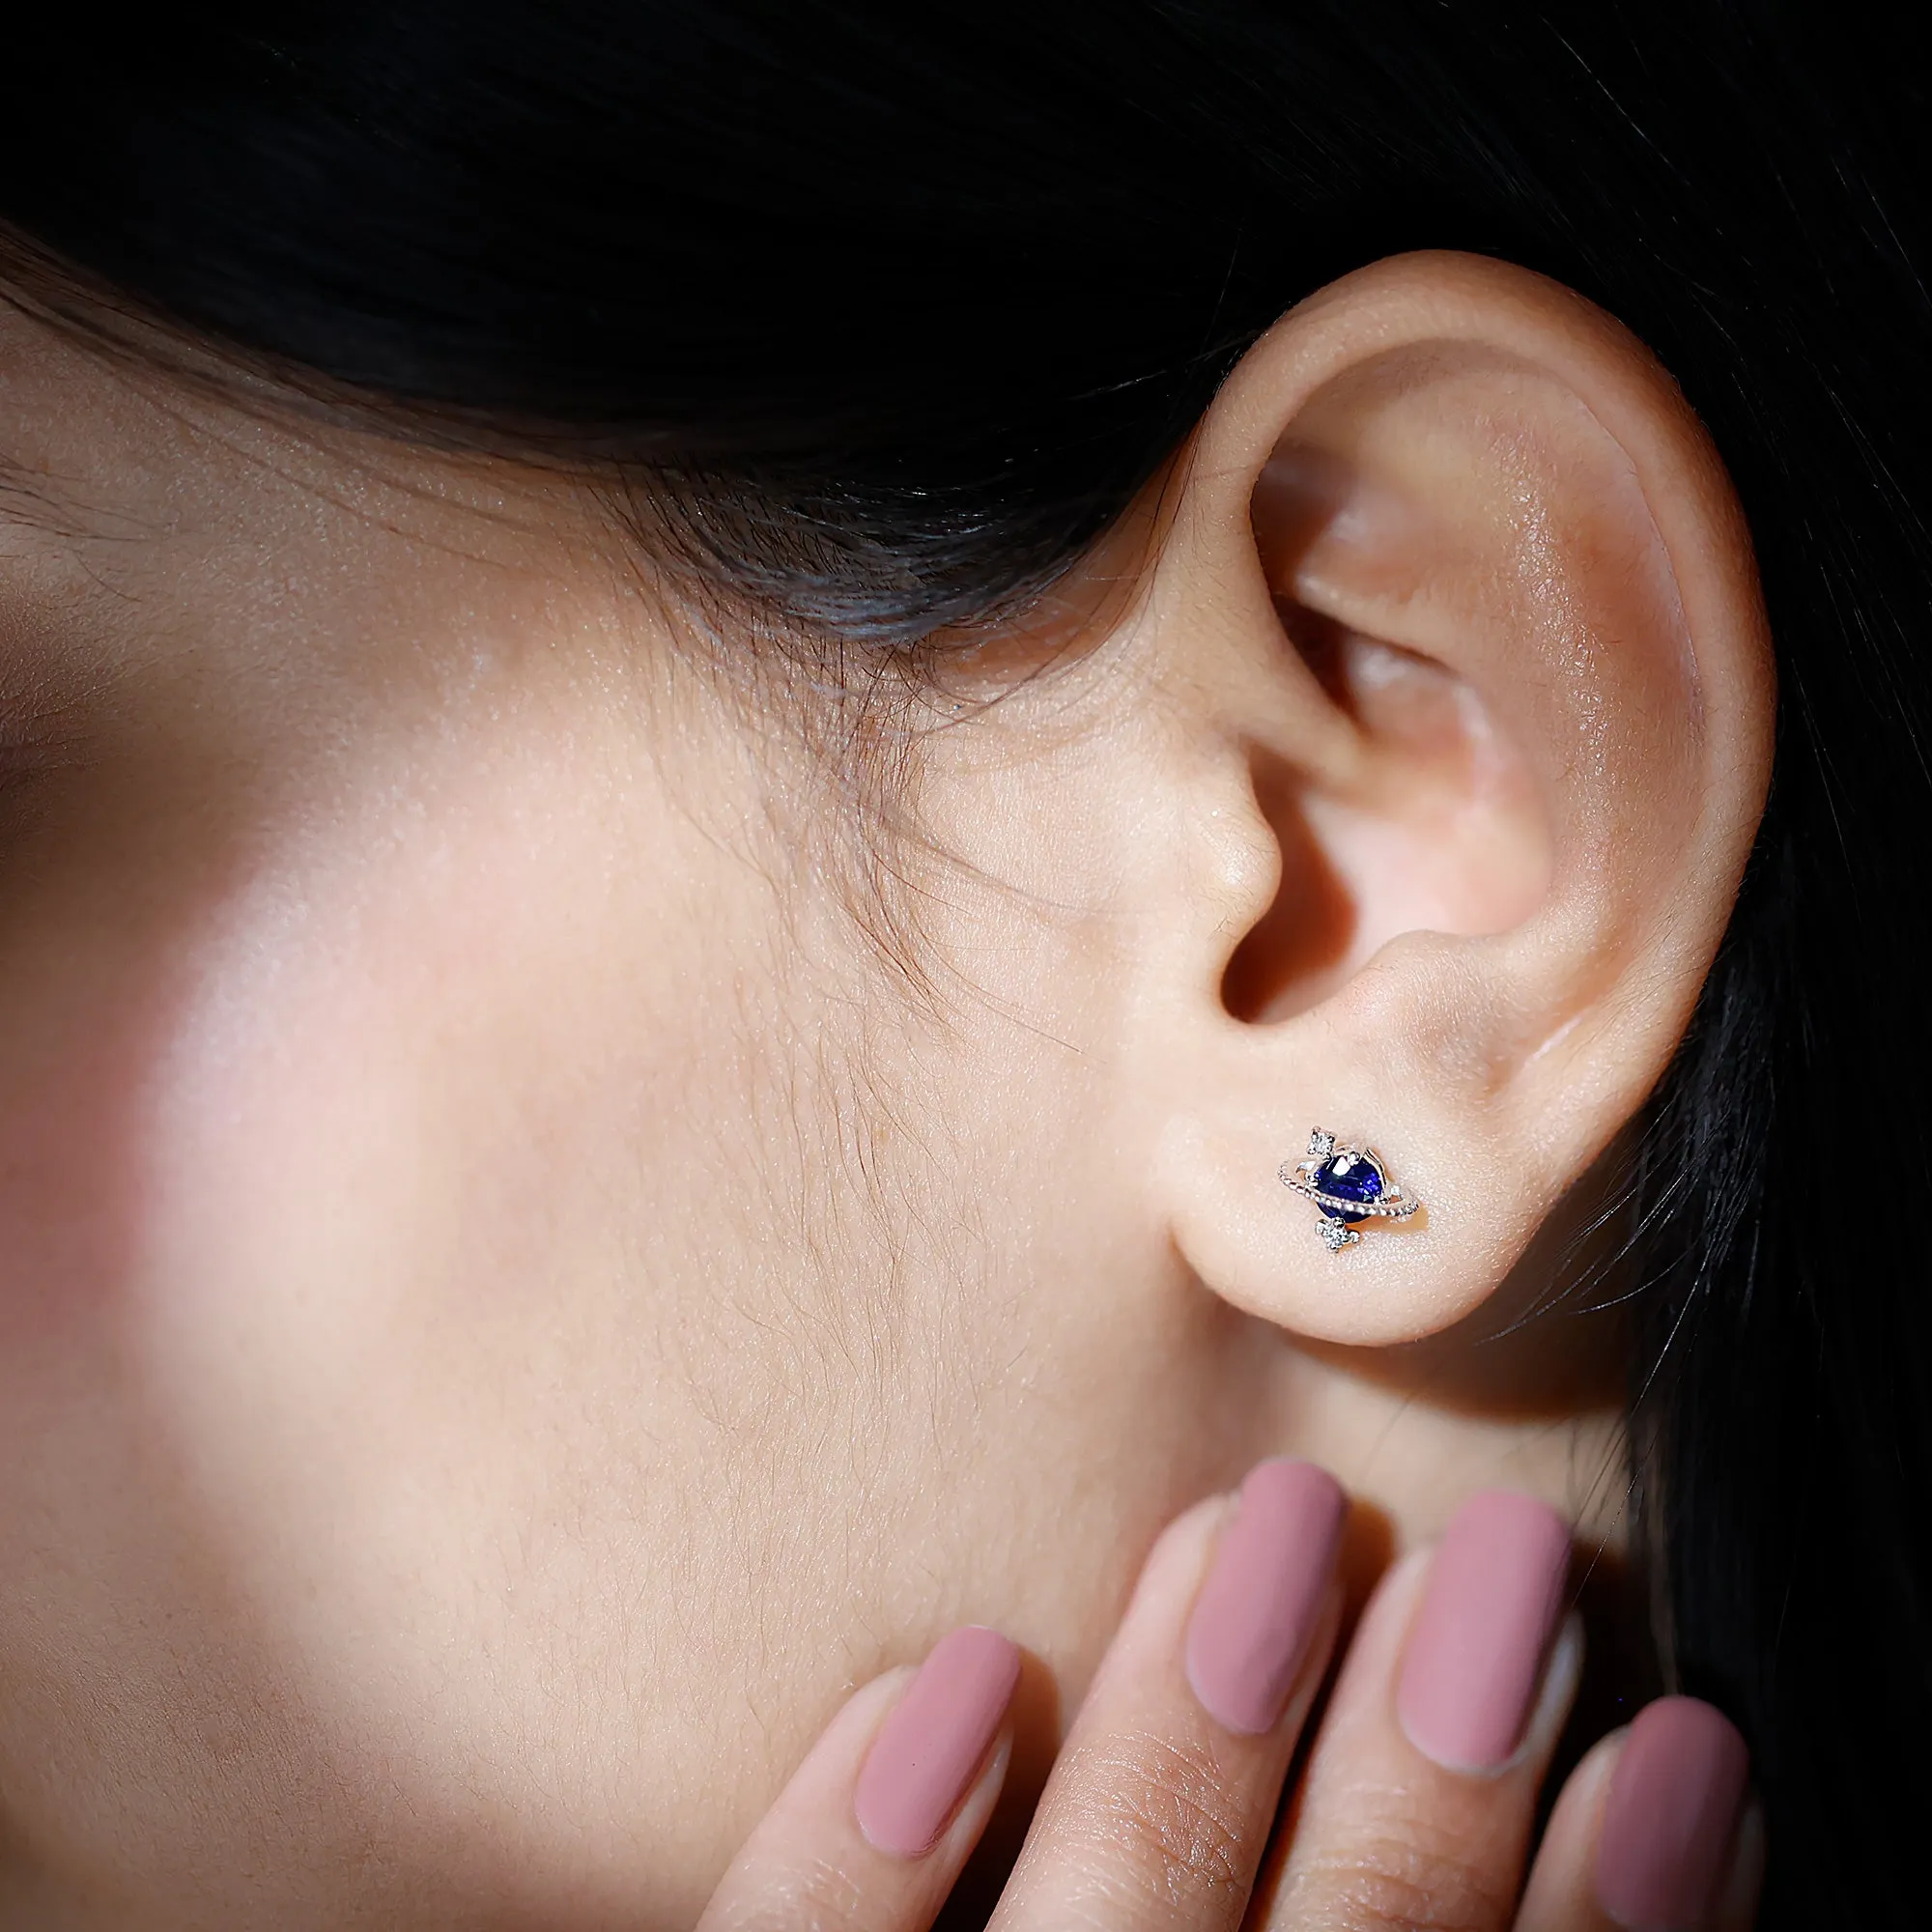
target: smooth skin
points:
(573, 1194)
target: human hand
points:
(1419, 1798)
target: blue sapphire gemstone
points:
(1348, 1176)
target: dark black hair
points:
(899, 305)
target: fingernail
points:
(1482, 1632)
(922, 1762)
(1257, 1611)
(1671, 1816)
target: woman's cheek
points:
(480, 1354)
(341, 1203)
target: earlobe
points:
(1499, 684)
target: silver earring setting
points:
(1350, 1185)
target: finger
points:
(1561, 1895)
(1420, 1794)
(1653, 1830)
(876, 1823)
(1160, 1805)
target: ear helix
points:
(1351, 1185)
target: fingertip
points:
(812, 1860)
(1477, 1658)
(1260, 1607)
(1672, 1819)
(935, 1742)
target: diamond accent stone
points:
(1337, 1235)
(1320, 1145)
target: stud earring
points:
(1350, 1185)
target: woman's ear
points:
(1470, 705)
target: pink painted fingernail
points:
(1257, 1611)
(927, 1752)
(1671, 1816)
(1477, 1646)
